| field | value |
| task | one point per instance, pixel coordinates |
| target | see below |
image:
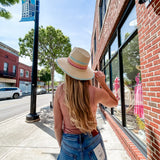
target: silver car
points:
(10, 92)
(41, 90)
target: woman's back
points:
(68, 127)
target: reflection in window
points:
(107, 69)
(129, 26)
(107, 76)
(116, 86)
(106, 57)
(133, 89)
(114, 46)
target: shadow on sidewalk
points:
(52, 154)
(46, 122)
(45, 128)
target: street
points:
(13, 107)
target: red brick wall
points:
(114, 12)
(148, 20)
(9, 58)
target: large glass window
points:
(123, 57)
(107, 76)
(133, 89)
(129, 25)
(114, 46)
(107, 69)
(116, 86)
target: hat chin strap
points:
(77, 65)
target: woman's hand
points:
(100, 77)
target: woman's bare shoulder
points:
(60, 88)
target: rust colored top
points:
(61, 114)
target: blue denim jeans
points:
(82, 147)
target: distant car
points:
(41, 90)
(10, 92)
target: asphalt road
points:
(12, 107)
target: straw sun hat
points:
(76, 65)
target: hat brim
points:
(74, 72)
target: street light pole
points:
(33, 116)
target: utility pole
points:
(33, 116)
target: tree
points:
(51, 45)
(45, 76)
(3, 12)
(131, 58)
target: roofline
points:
(9, 49)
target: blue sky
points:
(73, 17)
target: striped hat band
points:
(76, 63)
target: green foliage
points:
(52, 44)
(44, 75)
(56, 83)
(131, 59)
(3, 12)
(140, 123)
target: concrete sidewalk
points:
(36, 141)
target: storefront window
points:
(133, 89)
(116, 86)
(129, 25)
(107, 76)
(114, 47)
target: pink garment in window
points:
(138, 107)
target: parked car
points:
(41, 91)
(10, 92)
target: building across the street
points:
(12, 72)
(8, 66)
(125, 45)
(25, 79)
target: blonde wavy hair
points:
(78, 102)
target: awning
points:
(6, 80)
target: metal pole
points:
(33, 116)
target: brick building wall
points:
(10, 56)
(114, 11)
(25, 68)
(148, 19)
(148, 23)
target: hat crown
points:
(76, 64)
(80, 56)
